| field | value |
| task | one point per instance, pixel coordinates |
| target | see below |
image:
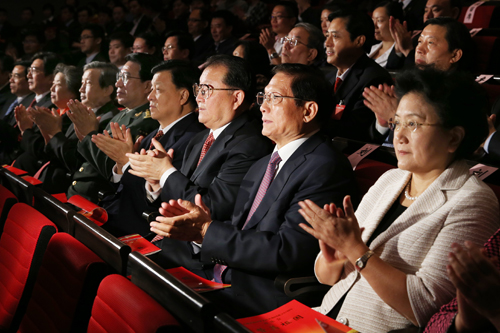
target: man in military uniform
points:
(133, 86)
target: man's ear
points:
(98, 40)
(456, 56)
(312, 54)
(360, 40)
(184, 97)
(310, 111)
(239, 97)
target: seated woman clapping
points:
(387, 261)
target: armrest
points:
(305, 289)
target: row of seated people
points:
(239, 149)
(246, 227)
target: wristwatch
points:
(361, 262)
(274, 55)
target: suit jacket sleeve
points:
(277, 243)
(64, 149)
(99, 159)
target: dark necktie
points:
(264, 185)
(206, 146)
(338, 82)
(157, 137)
(11, 108)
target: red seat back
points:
(368, 171)
(482, 16)
(121, 307)
(65, 288)
(484, 47)
(7, 200)
(22, 244)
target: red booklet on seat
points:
(294, 317)
(195, 282)
(139, 244)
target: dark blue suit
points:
(272, 242)
(130, 201)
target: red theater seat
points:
(22, 244)
(485, 15)
(65, 288)
(122, 307)
(368, 171)
(7, 200)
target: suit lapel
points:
(431, 200)
(218, 145)
(281, 180)
(351, 80)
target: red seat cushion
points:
(368, 171)
(121, 307)
(482, 17)
(24, 238)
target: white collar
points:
(169, 126)
(218, 131)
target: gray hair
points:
(73, 77)
(316, 38)
(108, 74)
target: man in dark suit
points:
(221, 28)
(133, 85)
(40, 77)
(141, 22)
(9, 132)
(217, 159)
(6, 96)
(263, 238)
(198, 22)
(173, 105)
(350, 36)
(91, 40)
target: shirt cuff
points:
(486, 146)
(381, 129)
(165, 176)
(150, 194)
(196, 247)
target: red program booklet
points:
(195, 282)
(294, 317)
(139, 244)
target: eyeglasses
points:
(272, 98)
(35, 70)
(16, 76)
(396, 125)
(292, 41)
(206, 90)
(85, 37)
(125, 77)
(278, 17)
(168, 47)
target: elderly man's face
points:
(38, 82)
(216, 108)
(131, 92)
(432, 49)
(91, 93)
(18, 81)
(300, 53)
(283, 120)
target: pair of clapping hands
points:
(50, 122)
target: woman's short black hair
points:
(310, 84)
(457, 99)
(73, 77)
(393, 8)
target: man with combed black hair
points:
(262, 238)
(91, 39)
(120, 45)
(348, 40)
(221, 27)
(173, 105)
(179, 45)
(215, 160)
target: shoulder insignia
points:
(147, 114)
(138, 114)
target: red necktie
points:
(338, 81)
(206, 146)
(32, 104)
(264, 185)
(157, 137)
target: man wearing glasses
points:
(303, 45)
(215, 160)
(9, 134)
(91, 40)
(262, 238)
(133, 85)
(40, 77)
